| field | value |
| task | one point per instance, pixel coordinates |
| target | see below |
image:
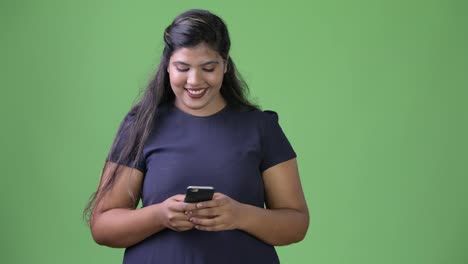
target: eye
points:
(209, 69)
(182, 69)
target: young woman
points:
(195, 126)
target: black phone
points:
(195, 194)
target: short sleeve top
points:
(228, 150)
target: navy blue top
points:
(228, 150)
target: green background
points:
(372, 95)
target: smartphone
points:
(195, 194)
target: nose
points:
(194, 78)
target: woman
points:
(194, 126)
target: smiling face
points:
(196, 75)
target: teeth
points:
(196, 91)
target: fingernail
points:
(199, 205)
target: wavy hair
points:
(188, 29)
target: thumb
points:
(178, 197)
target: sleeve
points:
(118, 147)
(275, 145)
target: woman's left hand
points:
(220, 213)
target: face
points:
(196, 75)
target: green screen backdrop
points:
(372, 95)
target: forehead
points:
(196, 54)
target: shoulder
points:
(133, 114)
(262, 121)
(270, 115)
(265, 118)
(258, 115)
(130, 117)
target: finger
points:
(177, 207)
(210, 228)
(181, 225)
(218, 195)
(213, 211)
(211, 203)
(205, 221)
(178, 197)
(181, 229)
(205, 217)
(174, 217)
(182, 207)
(190, 206)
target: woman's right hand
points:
(173, 213)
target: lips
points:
(195, 93)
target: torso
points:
(222, 150)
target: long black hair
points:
(188, 29)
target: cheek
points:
(214, 80)
(177, 80)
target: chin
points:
(195, 106)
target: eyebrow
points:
(203, 64)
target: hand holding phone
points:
(195, 194)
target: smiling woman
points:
(195, 127)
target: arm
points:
(285, 220)
(116, 222)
